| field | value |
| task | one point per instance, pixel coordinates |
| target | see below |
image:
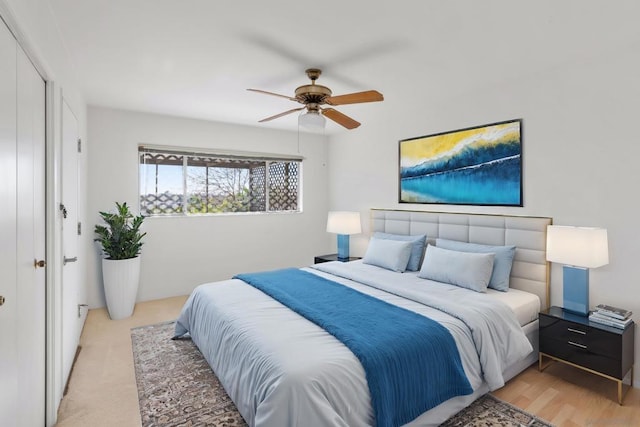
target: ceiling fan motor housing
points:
(312, 94)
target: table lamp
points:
(343, 223)
(578, 248)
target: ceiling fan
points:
(313, 96)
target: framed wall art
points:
(479, 165)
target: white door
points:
(22, 238)
(8, 233)
(71, 321)
(31, 291)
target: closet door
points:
(22, 238)
(31, 281)
(8, 234)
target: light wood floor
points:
(102, 390)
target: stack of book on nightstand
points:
(611, 316)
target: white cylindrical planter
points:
(121, 277)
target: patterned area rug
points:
(490, 411)
(176, 387)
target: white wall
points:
(580, 149)
(182, 252)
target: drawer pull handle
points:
(577, 331)
(577, 345)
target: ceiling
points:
(196, 58)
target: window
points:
(190, 183)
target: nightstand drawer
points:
(595, 340)
(581, 355)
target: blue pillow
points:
(390, 254)
(501, 263)
(465, 269)
(417, 246)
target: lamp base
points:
(575, 290)
(343, 246)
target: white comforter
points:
(282, 370)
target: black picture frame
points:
(478, 166)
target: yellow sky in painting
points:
(418, 150)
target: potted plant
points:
(121, 242)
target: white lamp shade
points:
(341, 222)
(577, 246)
(312, 120)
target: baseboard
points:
(73, 365)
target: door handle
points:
(40, 263)
(65, 260)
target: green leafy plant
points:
(121, 237)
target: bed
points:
(281, 369)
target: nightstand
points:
(333, 257)
(572, 339)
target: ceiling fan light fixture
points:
(312, 120)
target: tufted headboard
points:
(530, 271)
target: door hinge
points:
(79, 145)
(79, 228)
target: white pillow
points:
(501, 262)
(390, 254)
(417, 246)
(465, 269)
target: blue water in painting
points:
(492, 183)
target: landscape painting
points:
(474, 166)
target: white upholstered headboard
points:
(530, 271)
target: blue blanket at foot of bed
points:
(411, 362)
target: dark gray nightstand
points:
(332, 257)
(572, 339)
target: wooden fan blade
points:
(281, 114)
(355, 98)
(273, 94)
(340, 118)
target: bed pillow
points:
(501, 263)
(465, 269)
(417, 246)
(390, 254)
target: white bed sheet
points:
(525, 305)
(254, 345)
